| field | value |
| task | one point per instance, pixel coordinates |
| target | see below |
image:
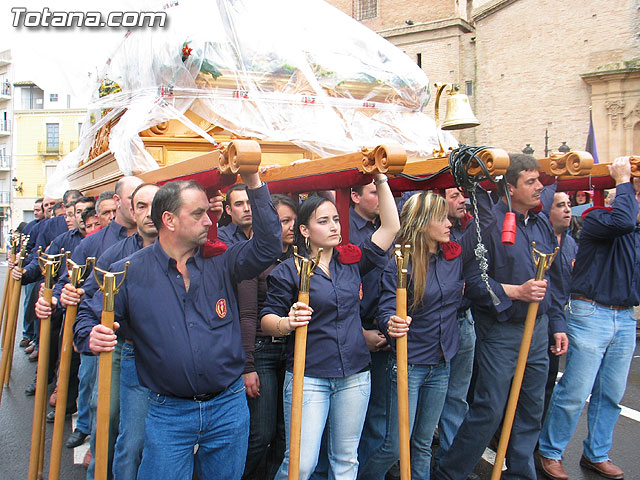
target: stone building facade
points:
(529, 66)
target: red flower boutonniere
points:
(349, 253)
(213, 249)
(451, 250)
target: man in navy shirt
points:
(605, 285)
(28, 333)
(461, 367)
(181, 311)
(94, 245)
(499, 330)
(363, 221)
(238, 208)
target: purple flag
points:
(591, 140)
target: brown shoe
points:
(53, 397)
(605, 469)
(551, 468)
(30, 348)
(87, 459)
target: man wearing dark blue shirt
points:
(94, 245)
(461, 367)
(238, 208)
(181, 311)
(499, 330)
(363, 221)
(605, 285)
(28, 332)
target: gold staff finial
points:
(108, 285)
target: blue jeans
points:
(87, 377)
(455, 406)
(427, 392)
(341, 401)
(267, 421)
(133, 410)
(601, 345)
(375, 424)
(28, 329)
(174, 426)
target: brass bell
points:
(459, 113)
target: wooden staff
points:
(109, 289)
(76, 273)
(542, 262)
(49, 264)
(305, 267)
(402, 260)
(12, 318)
(6, 294)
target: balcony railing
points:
(5, 161)
(5, 126)
(5, 197)
(45, 149)
(61, 149)
(5, 88)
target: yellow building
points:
(46, 128)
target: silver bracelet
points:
(380, 180)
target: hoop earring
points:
(307, 244)
(339, 238)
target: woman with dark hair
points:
(265, 364)
(337, 382)
(580, 197)
(434, 293)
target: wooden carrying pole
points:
(542, 262)
(12, 318)
(305, 267)
(109, 289)
(402, 260)
(49, 264)
(6, 294)
(75, 278)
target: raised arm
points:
(385, 235)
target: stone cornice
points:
(490, 9)
(458, 22)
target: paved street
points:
(16, 412)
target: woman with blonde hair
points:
(434, 292)
(336, 382)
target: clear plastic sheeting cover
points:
(282, 70)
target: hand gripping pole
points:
(305, 267)
(49, 265)
(76, 274)
(109, 288)
(542, 262)
(402, 262)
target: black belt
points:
(202, 397)
(273, 339)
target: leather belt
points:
(273, 339)
(585, 299)
(203, 397)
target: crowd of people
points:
(203, 343)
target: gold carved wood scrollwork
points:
(572, 163)
(388, 158)
(635, 166)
